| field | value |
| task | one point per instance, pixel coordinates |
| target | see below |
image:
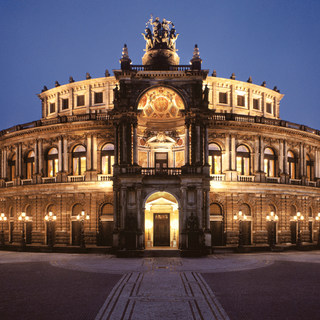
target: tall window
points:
(79, 160)
(292, 165)
(30, 165)
(98, 97)
(269, 162)
(241, 101)
(12, 167)
(215, 158)
(107, 158)
(223, 97)
(309, 165)
(243, 160)
(52, 162)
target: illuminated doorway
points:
(161, 221)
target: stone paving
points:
(174, 288)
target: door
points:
(106, 231)
(161, 161)
(11, 232)
(161, 229)
(76, 233)
(310, 231)
(246, 232)
(216, 233)
(272, 233)
(51, 232)
(28, 232)
(293, 229)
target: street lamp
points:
(240, 217)
(318, 220)
(272, 218)
(50, 218)
(298, 218)
(23, 218)
(3, 219)
(81, 218)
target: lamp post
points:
(23, 218)
(318, 220)
(272, 218)
(240, 217)
(3, 219)
(298, 218)
(50, 218)
(81, 218)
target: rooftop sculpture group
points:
(163, 35)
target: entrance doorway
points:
(161, 221)
(161, 161)
(161, 229)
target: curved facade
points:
(163, 156)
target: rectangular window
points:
(269, 107)
(98, 97)
(52, 108)
(241, 101)
(223, 97)
(80, 101)
(65, 104)
(256, 104)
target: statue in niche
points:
(205, 94)
(116, 93)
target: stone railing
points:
(161, 171)
(49, 179)
(104, 177)
(295, 181)
(243, 178)
(25, 182)
(217, 177)
(273, 179)
(76, 178)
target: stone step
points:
(161, 253)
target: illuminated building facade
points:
(160, 155)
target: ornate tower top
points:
(160, 44)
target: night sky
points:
(277, 41)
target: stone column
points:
(226, 157)
(116, 144)
(187, 145)
(198, 145)
(301, 161)
(200, 206)
(89, 153)
(261, 154)
(40, 150)
(135, 144)
(233, 153)
(60, 154)
(280, 162)
(285, 157)
(19, 160)
(5, 161)
(206, 146)
(36, 158)
(65, 155)
(233, 99)
(316, 164)
(94, 153)
(256, 154)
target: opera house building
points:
(160, 155)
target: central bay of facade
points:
(160, 155)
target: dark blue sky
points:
(277, 41)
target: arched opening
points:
(216, 224)
(243, 160)
(50, 225)
(30, 165)
(310, 224)
(246, 225)
(76, 226)
(293, 225)
(269, 162)
(79, 160)
(292, 165)
(12, 167)
(106, 225)
(28, 225)
(272, 226)
(52, 162)
(107, 159)
(161, 221)
(215, 158)
(309, 167)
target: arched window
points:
(77, 209)
(310, 212)
(292, 165)
(107, 158)
(293, 211)
(30, 165)
(243, 160)
(11, 214)
(12, 167)
(52, 162)
(309, 165)
(269, 162)
(107, 210)
(215, 159)
(215, 209)
(79, 160)
(245, 210)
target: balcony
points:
(242, 178)
(273, 179)
(295, 181)
(218, 177)
(49, 180)
(311, 183)
(26, 182)
(76, 178)
(161, 171)
(9, 184)
(104, 177)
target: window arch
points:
(107, 210)
(11, 213)
(52, 162)
(215, 209)
(243, 160)
(292, 165)
(269, 162)
(30, 165)
(12, 167)
(293, 211)
(77, 209)
(309, 166)
(107, 159)
(28, 211)
(79, 160)
(310, 212)
(215, 159)
(246, 210)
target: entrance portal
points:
(161, 221)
